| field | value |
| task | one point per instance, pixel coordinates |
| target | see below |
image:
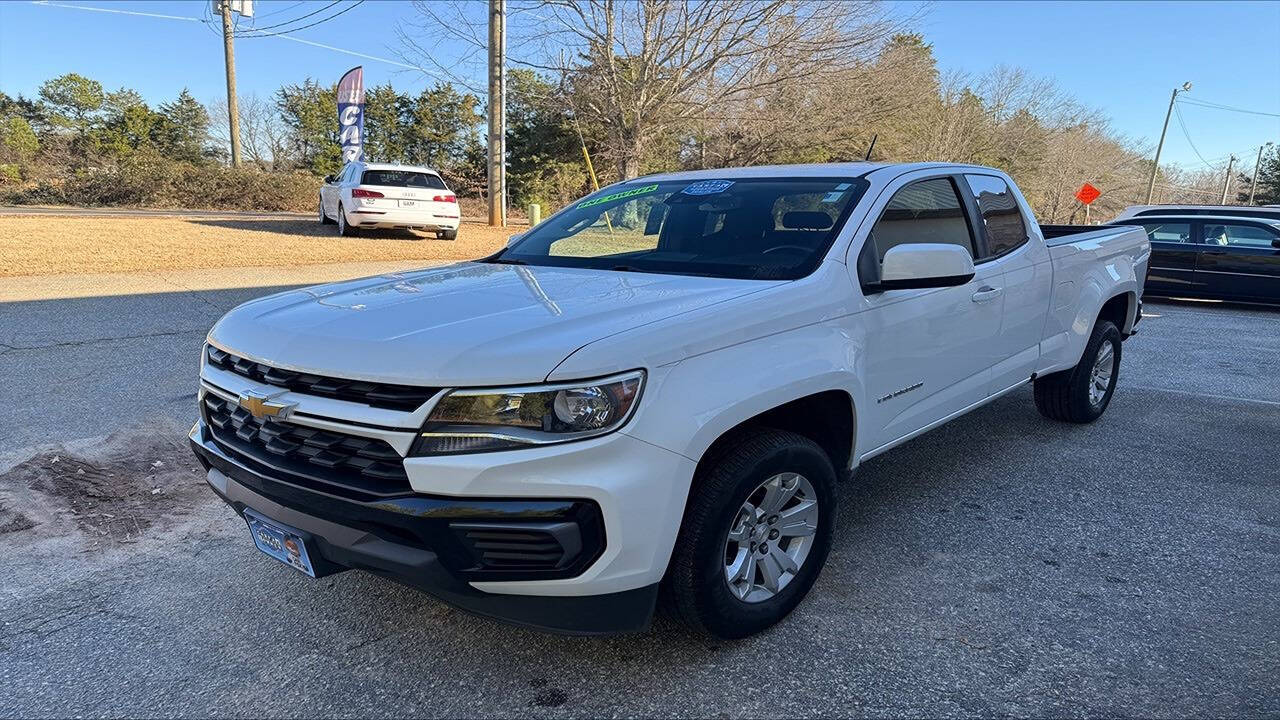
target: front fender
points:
(700, 398)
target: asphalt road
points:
(1002, 564)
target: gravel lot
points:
(54, 245)
(1002, 564)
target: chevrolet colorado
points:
(650, 396)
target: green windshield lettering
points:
(645, 190)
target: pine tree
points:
(1268, 172)
(182, 129)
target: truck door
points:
(1011, 248)
(928, 352)
(1239, 260)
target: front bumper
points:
(419, 539)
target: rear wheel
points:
(448, 235)
(344, 228)
(755, 535)
(1082, 394)
(324, 219)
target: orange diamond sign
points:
(1088, 193)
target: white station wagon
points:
(385, 196)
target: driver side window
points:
(928, 211)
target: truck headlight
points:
(478, 420)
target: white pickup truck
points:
(650, 397)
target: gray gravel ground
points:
(1000, 565)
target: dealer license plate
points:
(408, 203)
(280, 541)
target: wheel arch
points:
(1120, 309)
(828, 417)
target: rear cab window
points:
(403, 178)
(1006, 228)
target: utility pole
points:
(1226, 181)
(1253, 186)
(233, 107)
(497, 113)
(1155, 167)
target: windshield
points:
(759, 228)
(402, 178)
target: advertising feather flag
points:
(351, 114)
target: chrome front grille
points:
(325, 460)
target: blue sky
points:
(1122, 57)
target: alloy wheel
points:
(770, 537)
(1104, 366)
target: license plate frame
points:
(408, 203)
(285, 544)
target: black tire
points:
(695, 590)
(448, 234)
(1065, 395)
(324, 219)
(344, 228)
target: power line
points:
(304, 17)
(1219, 106)
(353, 53)
(111, 10)
(281, 10)
(256, 34)
(1182, 124)
(206, 23)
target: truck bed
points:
(1061, 234)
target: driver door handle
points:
(986, 294)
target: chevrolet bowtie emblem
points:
(261, 405)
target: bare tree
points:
(635, 70)
(263, 134)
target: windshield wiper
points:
(506, 261)
(627, 268)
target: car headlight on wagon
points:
(480, 420)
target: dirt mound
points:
(113, 490)
(13, 521)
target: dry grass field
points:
(51, 245)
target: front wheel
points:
(1082, 394)
(756, 533)
(324, 217)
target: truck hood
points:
(468, 324)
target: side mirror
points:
(923, 265)
(328, 179)
(514, 239)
